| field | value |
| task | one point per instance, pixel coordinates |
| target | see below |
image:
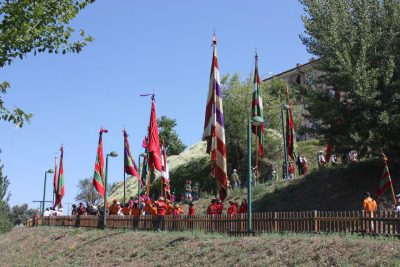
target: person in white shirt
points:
(47, 212)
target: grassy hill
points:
(330, 189)
(194, 164)
(45, 246)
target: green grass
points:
(52, 246)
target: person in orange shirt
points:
(369, 206)
(126, 210)
(136, 212)
(170, 208)
(114, 207)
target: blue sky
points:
(139, 46)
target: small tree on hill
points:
(173, 143)
(87, 193)
(20, 214)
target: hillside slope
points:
(45, 246)
(329, 189)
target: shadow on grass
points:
(330, 189)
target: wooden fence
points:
(381, 223)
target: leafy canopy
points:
(173, 144)
(38, 26)
(354, 96)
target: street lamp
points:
(112, 154)
(255, 121)
(44, 188)
(285, 166)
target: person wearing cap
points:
(235, 180)
(161, 210)
(243, 206)
(233, 208)
(219, 206)
(212, 209)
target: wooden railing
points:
(380, 223)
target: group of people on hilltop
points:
(216, 207)
(190, 192)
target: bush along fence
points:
(380, 223)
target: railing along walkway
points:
(379, 223)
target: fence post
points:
(315, 221)
(276, 226)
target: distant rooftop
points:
(298, 66)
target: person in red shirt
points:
(219, 206)
(81, 209)
(161, 210)
(233, 209)
(212, 209)
(243, 206)
(192, 212)
(291, 170)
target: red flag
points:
(129, 163)
(328, 152)
(98, 177)
(60, 181)
(55, 179)
(144, 142)
(154, 142)
(289, 128)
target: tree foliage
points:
(237, 97)
(87, 193)
(20, 214)
(36, 27)
(5, 223)
(173, 143)
(354, 96)
(4, 183)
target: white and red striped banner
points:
(165, 173)
(214, 131)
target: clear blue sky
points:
(139, 46)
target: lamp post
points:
(44, 188)
(112, 154)
(255, 121)
(285, 166)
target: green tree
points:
(87, 193)
(173, 143)
(20, 214)
(5, 223)
(39, 26)
(4, 183)
(354, 94)
(237, 97)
